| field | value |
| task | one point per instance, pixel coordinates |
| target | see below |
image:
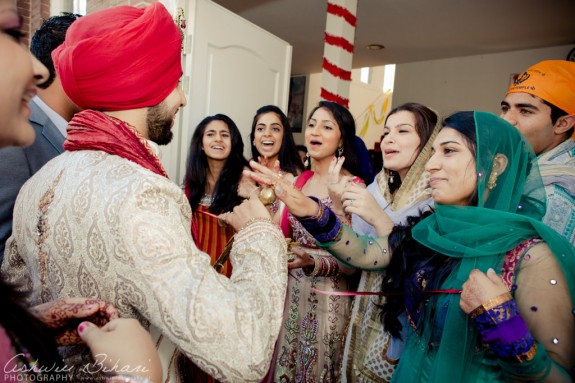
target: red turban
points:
(120, 58)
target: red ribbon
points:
(338, 10)
(338, 42)
(336, 71)
(363, 293)
(328, 96)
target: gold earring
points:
(492, 182)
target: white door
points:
(231, 66)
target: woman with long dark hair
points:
(272, 139)
(400, 190)
(309, 345)
(212, 181)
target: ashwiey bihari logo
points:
(14, 372)
(524, 76)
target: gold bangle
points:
(493, 302)
(315, 268)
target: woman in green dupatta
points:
(489, 202)
(519, 326)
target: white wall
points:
(449, 85)
(465, 83)
(361, 96)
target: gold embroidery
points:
(42, 230)
(490, 304)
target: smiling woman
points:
(212, 181)
(21, 72)
(272, 140)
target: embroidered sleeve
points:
(538, 325)
(342, 242)
(504, 330)
(226, 326)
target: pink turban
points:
(120, 58)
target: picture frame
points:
(297, 102)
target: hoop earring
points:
(306, 162)
(492, 182)
(340, 151)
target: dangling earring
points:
(306, 162)
(492, 182)
(340, 151)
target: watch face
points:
(571, 55)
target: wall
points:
(361, 96)
(448, 85)
(33, 13)
(464, 83)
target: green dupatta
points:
(481, 235)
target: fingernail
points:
(83, 326)
(279, 189)
(490, 270)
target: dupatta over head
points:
(480, 236)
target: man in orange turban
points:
(102, 220)
(541, 104)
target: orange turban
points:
(552, 81)
(120, 58)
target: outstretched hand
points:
(296, 202)
(64, 315)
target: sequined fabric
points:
(310, 342)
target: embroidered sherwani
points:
(97, 225)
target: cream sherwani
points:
(96, 225)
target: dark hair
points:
(557, 113)
(288, 156)
(48, 37)
(226, 189)
(27, 333)
(425, 121)
(464, 124)
(410, 259)
(346, 125)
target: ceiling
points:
(415, 30)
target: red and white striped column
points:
(338, 50)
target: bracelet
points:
(128, 379)
(312, 271)
(253, 220)
(493, 302)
